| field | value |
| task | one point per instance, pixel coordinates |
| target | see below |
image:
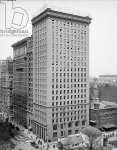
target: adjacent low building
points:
(108, 79)
(108, 92)
(103, 113)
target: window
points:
(76, 123)
(83, 122)
(61, 126)
(76, 131)
(61, 133)
(55, 127)
(69, 132)
(54, 134)
(52, 92)
(69, 124)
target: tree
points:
(60, 146)
(93, 134)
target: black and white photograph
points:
(58, 74)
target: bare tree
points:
(92, 134)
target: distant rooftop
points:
(106, 104)
(108, 76)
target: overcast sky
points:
(103, 30)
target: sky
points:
(102, 30)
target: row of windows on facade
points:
(67, 23)
(68, 30)
(68, 79)
(63, 133)
(68, 108)
(73, 46)
(82, 102)
(44, 85)
(62, 27)
(70, 119)
(43, 76)
(72, 69)
(69, 125)
(69, 91)
(74, 52)
(72, 113)
(77, 114)
(58, 38)
(74, 25)
(64, 76)
(77, 47)
(68, 34)
(64, 92)
(65, 53)
(70, 74)
(69, 96)
(68, 85)
(58, 30)
(69, 38)
(64, 62)
(78, 34)
(82, 64)
(67, 57)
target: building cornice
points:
(56, 14)
(21, 42)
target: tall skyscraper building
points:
(6, 79)
(60, 73)
(22, 103)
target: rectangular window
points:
(54, 134)
(69, 132)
